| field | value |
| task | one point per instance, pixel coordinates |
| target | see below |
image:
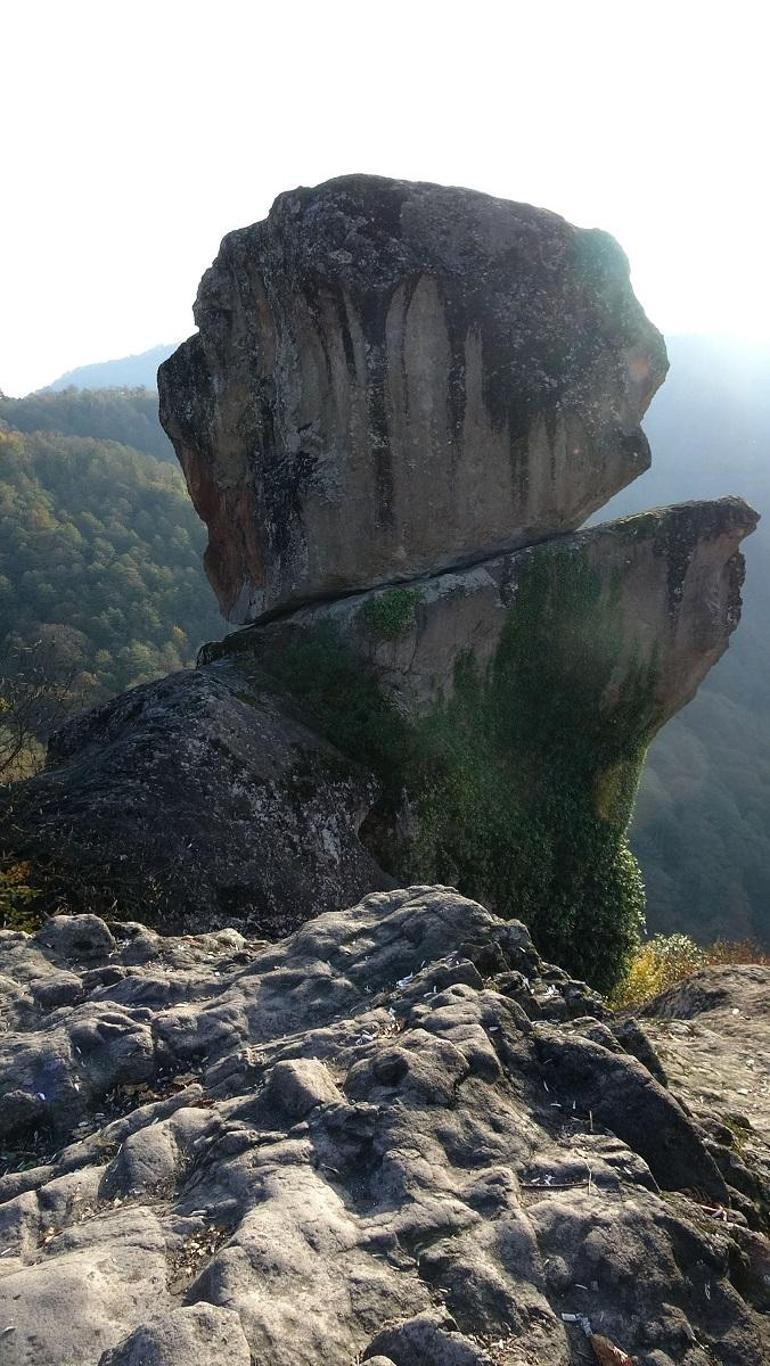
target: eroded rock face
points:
(665, 597)
(197, 801)
(392, 378)
(397, 1136)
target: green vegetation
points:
(326, 674)
(666, 960)
(126, 415)
(100, 555)
(534, 804)
(390, 614)
(519, 789)
(17, 899)
(36, 694)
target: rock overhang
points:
(674, 573)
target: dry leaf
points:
(607, 1354)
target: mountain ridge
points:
(133, 371)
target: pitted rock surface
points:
(395, 1136)
(713, 1034)
(392, 378)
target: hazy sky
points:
(134, 135)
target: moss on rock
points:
(389, 615)
(518, 787)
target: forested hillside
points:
(702, 824)
(126, 415)
(100, 559)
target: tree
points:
(36, 694)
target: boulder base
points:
(195, 802)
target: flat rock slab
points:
(391, 378)
(396, 1136)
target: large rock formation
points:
(657, 593)
(397, 1137)
(393, 378)
(414, 388)
(501, 713)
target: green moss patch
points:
(390, 615)
(517, 788)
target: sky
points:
(134, 135)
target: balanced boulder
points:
(393, 378)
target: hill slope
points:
(100, 557)
(132, 371)
(126, 415)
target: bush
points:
(17, 899)
(666, 960)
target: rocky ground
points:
(396, 1136)
(713, 1037)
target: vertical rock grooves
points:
(390, 378)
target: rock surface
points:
(673, 575)
(392, 378)
(195, 801)
(396, 1136)
(713, 1036)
